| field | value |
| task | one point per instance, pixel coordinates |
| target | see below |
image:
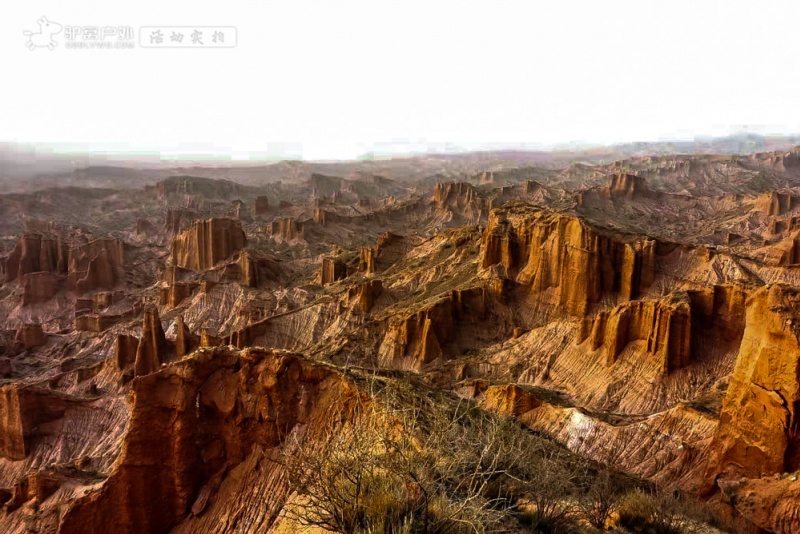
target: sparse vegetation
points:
(401, 463)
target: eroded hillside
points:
(161, 344)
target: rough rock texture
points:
(152, 350)
(509, 399)
(22, 410)
(125, 349)
(185, 341)
(325, 186)
(95, 265)
(207, 242)
(665, 324)
(454, 193)
(31, 335)
(771, 503)
(720, 308)
(93, 322)
(564, 256)
(39, 287)
(759, 428)
(287, 228)
(366, 260)
(629, 186)
(261, 205)
(36, 253)
(363, 296)
(193, 423)
(332, 270)
(174, 294)
(420, 338)
(778, 203)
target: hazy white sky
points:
(334, 78)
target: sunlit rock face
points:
(207, 242)
(568, 262)
(162, 335)
(758, 430)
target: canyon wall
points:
(193, 423)
(207, 242)
(759, 428)
(566, 257)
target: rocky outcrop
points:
(778, 203)
(39, 287)
(771, 503)
(287, 228)
(95, 322)
(101, 273)
(261, 206)
(30, 336)
(665, 325)
(255, 271)
(332, 270)
(325, 186)
(153, 349)
(366, 260)
(198, 187)
(185, 341)
(759, 428)
(458, 194)
(626, 185)
(571, 263)
(720, 309)
(362, 297)
(36, 253)
(207, 242)
(174, 294)
(785, 253)
(22, 410)
(420, 338)
(125, 349)
(172, 222)
(509, 399)
(202, 420)
(324, 217)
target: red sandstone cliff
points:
(207, 242)
(563, 256)
(759, 429)
(664, 324)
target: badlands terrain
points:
(175, 343)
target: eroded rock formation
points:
(332, 270)
(625, 185)
(665, 325)
(420, 338)
(39, 287)
(153, 349)
(207, 242)
(286, 228)
(193, 423)
(565, 257)
(778, 203)
(31, 335)
(22, 410)
(36, 253)
(261, 206)
(454, 193)
(363, 296)
(759, 428)
(366, 260)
